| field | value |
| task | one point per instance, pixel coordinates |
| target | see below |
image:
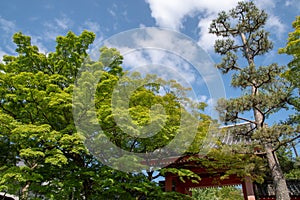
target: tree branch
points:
(285, 143)
(245, 119)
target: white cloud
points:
(57, 27)
(7, 26)
(2, 53)
(275, 25)
(171, 14)
(38, 41)
(112, 11)
(265, 4)
(288, 3)
(63, 23)
(211, 107)
(142, 26)
(203, 98)
(91, 26)
(206, 40)
(7, 29)
(50, 32)
(170, 55)
(166, 65)
(95, 28)
(293, 3)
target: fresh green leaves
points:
(43, 154)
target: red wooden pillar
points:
(168, 183)
(179, 186)
(248, 189)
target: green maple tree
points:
(292, 74)
(44, 155)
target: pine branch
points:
(275, 106)
(281, 143)
(133, 144)
(245, 119)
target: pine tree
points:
(264, 92)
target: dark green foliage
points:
(264, 91)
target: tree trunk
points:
(279, 182)
(24, 191)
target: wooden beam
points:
(212, 181)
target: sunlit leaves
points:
(36, 119)
(293, 46)
(292, 74)
(43, 153)
(225, 193)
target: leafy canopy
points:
(43, 154)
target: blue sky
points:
(44, 20)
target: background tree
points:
(216, 193)
(264, 91)
(292, 74)
(289, 162)
(292, 48)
